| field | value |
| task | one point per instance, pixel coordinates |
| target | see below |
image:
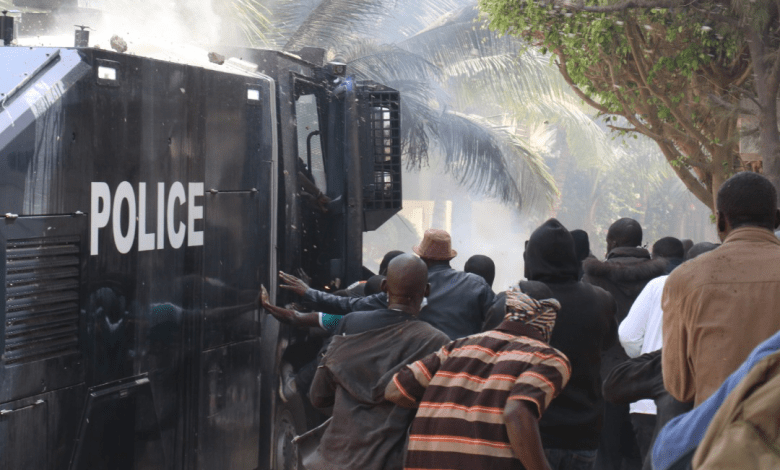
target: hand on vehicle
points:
(282, 314)
(286, 315)
(290, 282)
(303, 276)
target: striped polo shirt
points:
(462, 390)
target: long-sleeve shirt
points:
(457, 305)
(717, 308)
(462, 390)
(641, 333)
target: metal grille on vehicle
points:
(381, 151)
(42, 292)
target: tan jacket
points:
(744, 432)
(717, 308)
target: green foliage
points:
(598, 41)
(650, 66)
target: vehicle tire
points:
(289, 423)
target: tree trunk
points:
(766, 85)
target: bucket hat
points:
(436, 245)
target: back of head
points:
(748, 198)
(687, 244)
(581, 243)
(549, 254)
(407, 277)
(482, 266)
(625, 232)
(535, 289)
(386, 260)
(699, 249)
(668, 247)
(373, 285)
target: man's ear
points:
(383, 286)
(427, 289)
(777, 218)
(721, 221)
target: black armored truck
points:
(142, 204)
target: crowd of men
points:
(662, 359)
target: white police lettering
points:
(126, 229)
(176, 237)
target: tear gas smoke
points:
(183, 31)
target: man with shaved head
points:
(367, 432)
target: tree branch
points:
(565, 73)
(622, 6)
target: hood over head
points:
(549, 254)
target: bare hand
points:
(282, 314)
(264, 298)
(303, 276)
(290, 282)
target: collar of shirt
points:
(520, 329)
(751, 234)
(439, 267)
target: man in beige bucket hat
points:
(436, 245)
(458, 301)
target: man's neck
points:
(433, 263)
(405, 308)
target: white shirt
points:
(641, 333)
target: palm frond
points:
(386, 62)
(407, 18)
(460, 36)
(335, 22)
(491, 160)
(255, 22)
(486, 70)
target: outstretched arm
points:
(285, 315)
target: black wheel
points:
(285, 429)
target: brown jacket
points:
(717, 308)
(744, 431)
(367, 432)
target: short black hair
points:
(748, 198)
(372, 285)
(581, 243)
(535, 289)
(386, 260)
(483, 266)
(700, 249)
(668, 247)
(625, 232)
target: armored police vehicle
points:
(142, 204)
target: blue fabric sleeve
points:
(330, 322)
(336, 305)
(684, 433)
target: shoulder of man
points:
(426, 329)
(641, 270)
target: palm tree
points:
(461, 85)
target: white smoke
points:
(478, 226)
(182, 31)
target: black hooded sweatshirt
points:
(624, 274)
(585, 326)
